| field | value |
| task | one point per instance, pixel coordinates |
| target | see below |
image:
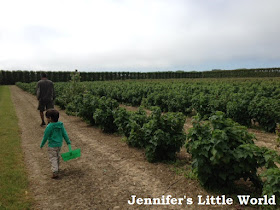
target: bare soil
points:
(107, 174)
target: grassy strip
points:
(13, 177)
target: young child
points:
(54, 134)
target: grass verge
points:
(13, 177)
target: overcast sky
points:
(139, 35)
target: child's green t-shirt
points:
(54, 134)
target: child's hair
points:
(53, 114)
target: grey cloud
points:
(195, 35)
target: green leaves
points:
(223, 152)
(272, 184)
(161, 135)
(266, 111)
(214, 146)
(104, 114)
(131, 124)
(164, 135)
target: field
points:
(114, 165)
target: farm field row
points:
(263, 138)
(249, 102)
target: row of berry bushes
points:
(161, 136)
(222, 150)
(248, 102)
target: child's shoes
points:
(55, 175)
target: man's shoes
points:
(55, 175)
(43, 123)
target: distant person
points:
(54, 134)
(45, 95)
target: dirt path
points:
(107, 174)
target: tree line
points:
(11, 77)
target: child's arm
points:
(38, 91)
(47, 133)
(65, 135)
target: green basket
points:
(72, 154)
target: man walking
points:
(45, 95)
